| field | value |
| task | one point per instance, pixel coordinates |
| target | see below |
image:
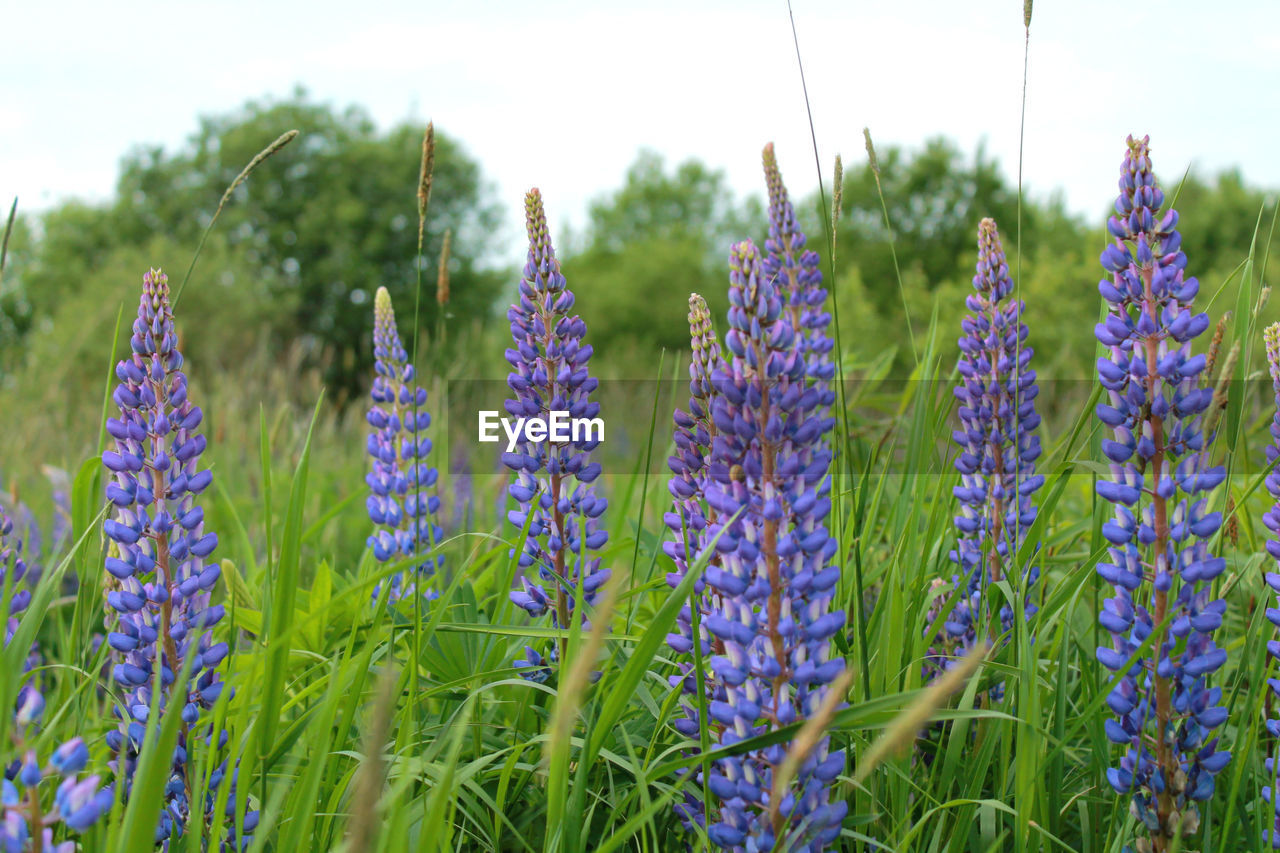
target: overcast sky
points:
(561, 95)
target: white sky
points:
(562, 94)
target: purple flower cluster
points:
(404, 515)
(1160, 566)
(18, 576)
(795, 270)
(1272, 520)
(25, 530)
(558, 506)
(159, 578)
(464, 498)
(768, 483)
(13, 572)
(77, 802)
(694, 432)
(26, 527)
(752, 468)
(998, 447)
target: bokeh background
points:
(121, 128)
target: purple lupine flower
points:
(553, 480)
(768, 481)
(694, 432)
(1271, 519)
(790, 276)
(160, 579)
(796, 272)
(1160, 565)
(998, 451)
(13, 571)
(18, 575)
(26, 530)
(78, 802)
(403, 512)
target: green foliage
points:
(60, 369)
(463, 758)
(650, 244)
(326, 221)
(313, 232)
(655, 206)
(461, 764)
(935, 199)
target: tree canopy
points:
(662, 235)
(319, 226)
(305, 242)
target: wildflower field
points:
(776, 593)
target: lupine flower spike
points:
(1271, 835)
(77, 802)
(553, 481)
(998, 451)
(795, 271)
(694, 433)
(1160, 566)
(160, 578)
(752, 466)
(18, 576)
(401, 503)
(769, 486)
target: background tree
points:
(652, 242)
(936, 196)
(307, 240)
(320, 226)
(1218, 217)
(935, 199)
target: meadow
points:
(806, 595)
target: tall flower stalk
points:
(1160, 566)
(695, 430)
(558, 507)
(464, 498)
(403, 514)
(160, 578)
(1271, 519)
(752, 468)
(998, 450)
(768, 483)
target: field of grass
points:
(359, 725)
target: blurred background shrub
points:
(280, 303)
